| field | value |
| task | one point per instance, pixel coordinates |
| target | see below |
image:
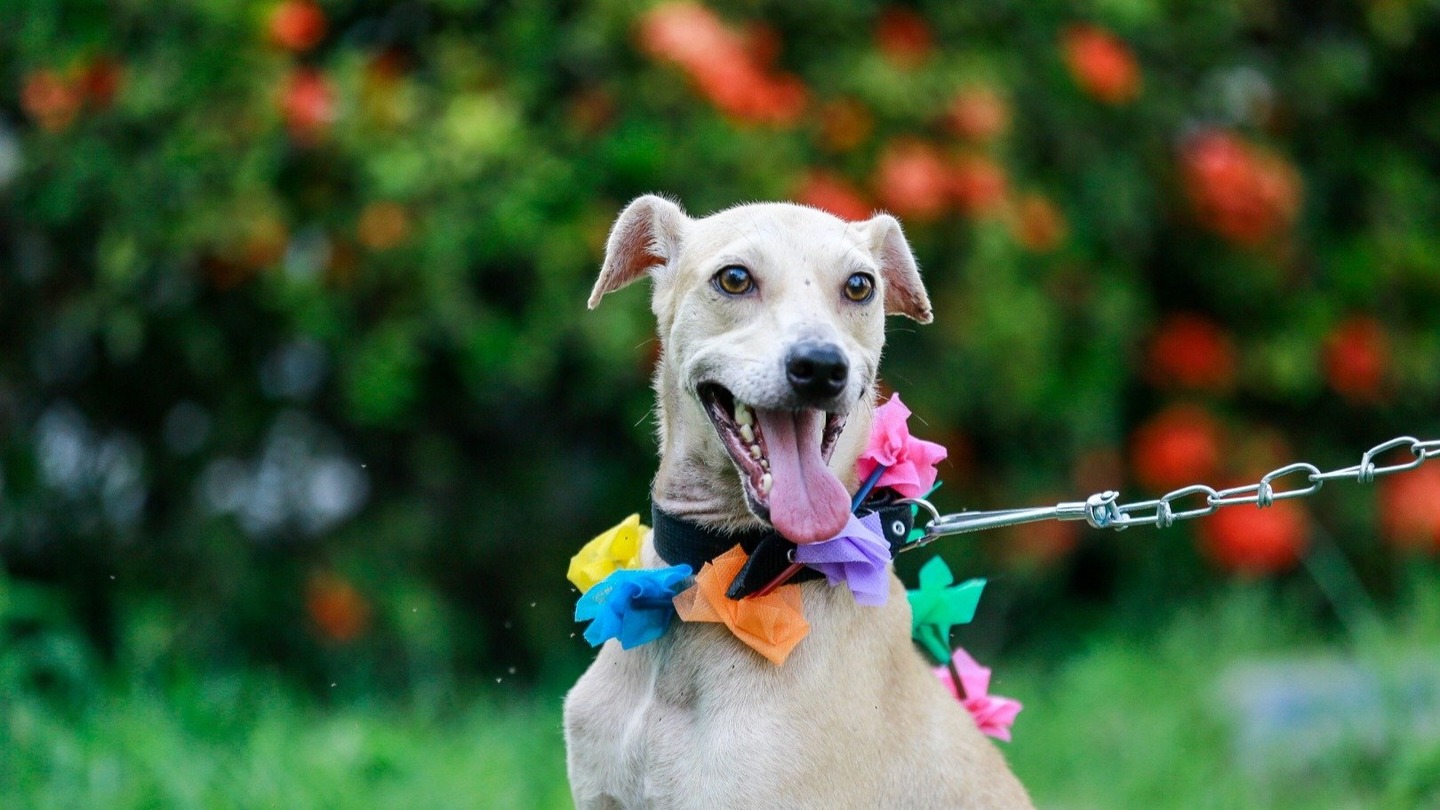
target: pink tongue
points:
(807, 502)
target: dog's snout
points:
(817, 371)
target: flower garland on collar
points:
(635, 605)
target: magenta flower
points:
(909, 462)
(993, 714)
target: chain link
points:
(1103, 510)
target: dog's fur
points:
(855, 717)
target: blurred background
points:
(302, 413)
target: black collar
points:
(678, 541)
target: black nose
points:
(817, 371)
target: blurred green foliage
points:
(295, 366)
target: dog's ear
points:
(644, 239)
(904, 292)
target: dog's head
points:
(771, 323)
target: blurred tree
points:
(291, 293)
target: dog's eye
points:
(859, 287)
(734, 280)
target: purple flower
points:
(857, 556)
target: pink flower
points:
(909, 462)
(994, 715)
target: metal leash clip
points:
(1103, 510)
(1099, 510)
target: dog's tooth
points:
(743, 417)
(755, 451)
(747, 433)
(766, 481)
(765, 463)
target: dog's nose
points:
(817, 371)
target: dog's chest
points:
(660, 727)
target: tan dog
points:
(771, 322)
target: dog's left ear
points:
(904, 292)
(645, 238)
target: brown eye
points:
(734, 280)
(859, 287)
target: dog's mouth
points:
(782, 456)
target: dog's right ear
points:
(645, 238)
(904, 291)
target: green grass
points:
(1127, 722)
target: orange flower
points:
(1238, 191)
(1038, 224)
(1177, 447)
(978, 114)
(831, 192)
(1250, 541)
(771, 625)
(903, 37)
(978, 185)
(1410, 510)
(1357, 353)
(340, 612)
(50, 99)
(297, 25)
(1101, 63)
(308, 104)
(912, 180)
(1189, 351)
(383, 225)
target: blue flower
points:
(632, 605)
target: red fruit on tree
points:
(904, 37)
(338, 609)
(978, 185)
(1356, 356)
(101, 79)
(831, 192)
(1178, 447)
(297, 25)
(1410, 509)
(1038, 224)
(844, 125)
(1238, 191)
(1191, 352)
(308, 104)
(978, 114)
(1251, 541)
(50, 99)
(725, 67)
(912, 180)
(1101, 63)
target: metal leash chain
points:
(1102, 511)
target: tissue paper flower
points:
(857, 556)
(771, 625)
(994, 715)
(632, 606)
(909, 462)
(938, 605)
(617, 548)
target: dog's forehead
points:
(792, 234)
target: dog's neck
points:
(697, 481)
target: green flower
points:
(939, 604)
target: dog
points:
(771, 315)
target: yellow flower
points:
(617, 548)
